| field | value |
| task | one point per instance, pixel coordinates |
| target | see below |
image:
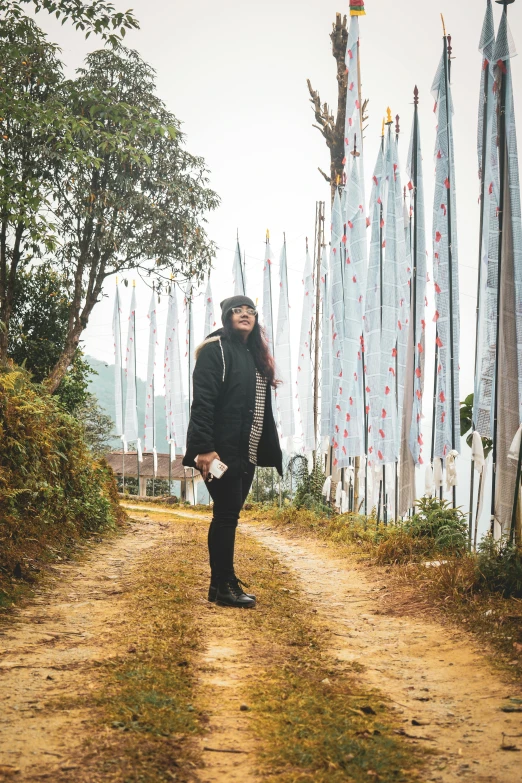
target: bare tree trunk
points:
(333, 130)
(332, 127)
(8, 273)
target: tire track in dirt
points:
(228, 746)
(435, 676)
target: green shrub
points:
(499, 567)
(435, 520)
(435, 530)
(52, 490)
(309, 485)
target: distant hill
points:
(102, 385)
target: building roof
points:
(178, 472)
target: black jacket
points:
(224, 392)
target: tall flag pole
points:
(372, 317)
(189, 356)
(210, 320)
(174, 396)
(268, 317)
(507, 399)
(150, 400)
(238, 273)
(485, 332)
(118, 378)
(349, 418)
(189, 338)
(395, 309)
(326, 350)
(131, 402)
(283, 356)
(353, 140)
(304, 367)
(411, 442)
(445, 268)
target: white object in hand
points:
(216, 469)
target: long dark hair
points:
(258, 345)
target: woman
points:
(232, 420)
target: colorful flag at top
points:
(357, 8)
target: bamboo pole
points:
(502, 178)
(479, 282)
(415, 240)
(447, 78)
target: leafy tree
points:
(93, 17)
(33, 126)
(140, 203)
(93, 172)
(39, 319)
(38, 331)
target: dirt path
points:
(50, 649)
(443, 689)
(438, 680)
(228, 746)
(79, 619)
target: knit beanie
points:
(234, 301)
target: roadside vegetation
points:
(54, 491)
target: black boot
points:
(230, 594)
(212, 590)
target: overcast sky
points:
(235, 74)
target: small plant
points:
(309, 484)
(499, 567)
(435, 520)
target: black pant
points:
(229, 494)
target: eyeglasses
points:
(241, 311)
